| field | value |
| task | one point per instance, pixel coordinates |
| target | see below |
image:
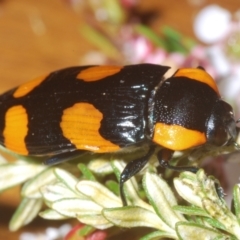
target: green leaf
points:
(96, 220)
(224, 219)
(100, 41)
(115, 11)
(202, 192)
(52, 215)
(98, 193)
(100, 166)
(190, 231)
(71, 207)
(13, 174)
(113, 186)
(150, 35)
(58, 191)
(215, 223)
(25, 213)
(156, 235)
(191, 210)
(171, 33)
(236, 201)
(198, 220)
(161, 198)
(31, 188)
(133, 216)
(68, 179)
(86, 172)
(186, 185)
(86, 230)
(176, 41)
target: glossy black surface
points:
(122, 98)
(184, 102)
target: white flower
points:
(212, 24)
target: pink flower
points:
(96, 235)
(129, 3)
(156, 57)
(137, 49)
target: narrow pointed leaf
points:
(68, 179)
(85, 230)
(53, 193)
(115, 11)
(51, 215)
(214, 223)
(162, 199)
(158, 235)
(31, 188)
(96, 220)
(190, 231)
(191, 210)
(113, 186)
(25, 213)
(186, 44)
(150, 35)
(174, 41)
(135, 217)
(86, 172)
(223, 216)
(208, 188)
(13, 174)
(71, 207)
(236, 201)
(187, 192)
(99, 194)
(100, 166)
(100, 41)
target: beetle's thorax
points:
(181, 107)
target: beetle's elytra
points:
(109, 108)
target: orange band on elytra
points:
(177, 138)
(80, 124)
(27, 87)
(16, 129)
(98, 73)
(197, 75)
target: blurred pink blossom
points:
(96, 235)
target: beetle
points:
(103, 109)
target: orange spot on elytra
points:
(98, 72)
(176, 137)
(28, 86)
(80, 124)
(16, 129)
(197, 75)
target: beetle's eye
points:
(216, 132)
(232, 130)
(221, 126)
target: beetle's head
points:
(221, 126)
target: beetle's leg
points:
(133, 168)
(63, 157)
(165, 155)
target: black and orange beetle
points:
(110, 108)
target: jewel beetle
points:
(105, 109)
